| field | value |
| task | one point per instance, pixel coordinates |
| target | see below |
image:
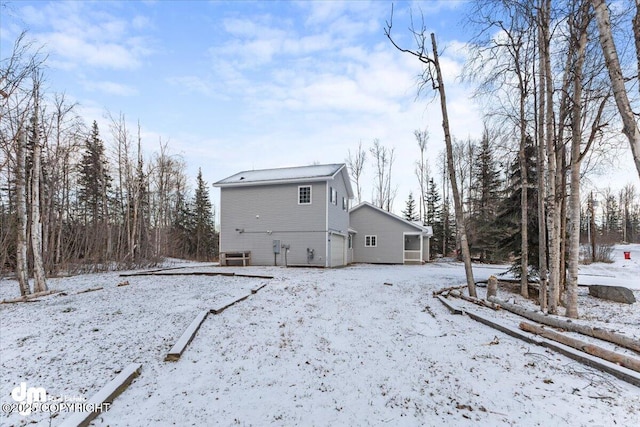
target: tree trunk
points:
(574, 197)
(630, 125)
(462, 233)
(594, 350)
(40, 281)
(590, 331)
(524, 202)
(541, 164)
(636, 34)
(22, 267)
(553, 216)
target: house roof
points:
(426, 229)
(287, 176)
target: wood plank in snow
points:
(228, 303)
(452, 308)
(255, 290)
(182, 343)
(100, 401)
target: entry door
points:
(337, 250)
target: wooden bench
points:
(235, 258)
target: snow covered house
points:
(378, 236)
(286, 216)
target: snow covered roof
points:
(426, 229)
(288, 175)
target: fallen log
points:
(603, 334)
(477, 301)
(27, 298)
(594, 350)
(618, 371)
(451, 288)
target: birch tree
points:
(16, 106)
(40, 281)
(629, 118)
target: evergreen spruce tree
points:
(94, 180)
(486, 195)
(410, 213)
(507, 224)
(182, 228)
(205, 234)
(433, 217)
(93, 196)
(449, 241)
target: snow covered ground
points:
(314, 347)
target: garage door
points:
(337, 250)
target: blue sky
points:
(249, 85)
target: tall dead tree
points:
(432, 74)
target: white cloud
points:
(79, 35)
(110, 88)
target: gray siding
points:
(338, 217)
(390, 238)
(271, 212)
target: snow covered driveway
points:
(314, 347)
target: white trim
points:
(404, 251)
(310, 187)
(375, 241)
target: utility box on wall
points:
(276, 246)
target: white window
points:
(334, 196)
(304, 195)
(370, 241)
(350, 242)
(344, 203)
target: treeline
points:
(69, 201)
(492, 188)
(557, 81)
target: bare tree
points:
(630, 123)
(383, 158)
(432, 74)
(355, 163)
(422, 171)
(16, 105)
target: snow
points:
(282, 174)
(313, 347)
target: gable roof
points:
(288, 176)
(426, 229)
